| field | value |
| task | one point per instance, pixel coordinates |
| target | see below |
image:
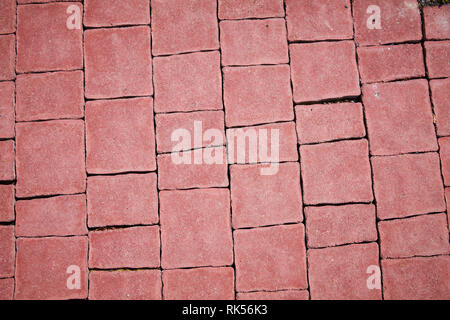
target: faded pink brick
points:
(99, 13)
(8, 53)
(272, 258)
(334, 63)
(199, 284)
(328, 122)
(315, 20)
(336, 225)
(120, 135)
(242, 9)
(7, 251)
(202, 121)
(337, 172)
(118, 62)
(250, 42)
(250, 147)
(56, 216)
(130, 199)
(44, 43)
(7, 16)
(257, 94)
(440, 93)
(184, 26)
(6, 203)
(438, 58)
(417, 236)
(7, 171)
(195, 228)
(447, 199)
(444, 151)
(55, 95)
(407, 185)
(416, 278)
(50, 158)
(436, 21)
(7, 289)
(7, 109)
(274, 295)
(188, 82)
(125, 285)
(42, 268)
(261, 200)
(340, 273)
(174, 174)
(400, 21)
(40, 1)
(399, 117)
(386, 63)
(136, 247)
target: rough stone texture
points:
(7, 172)
(7, 251)
(8, 53)
(6, 203)
(436, 21)
(440, 93)
(274, 295)
(437, 57)
(7, 289)
(7, 109)
(100, 13)
(8, 16)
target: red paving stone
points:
(437, 57)
(436, 21)
(6, 203)
(199, 284)
(242, 9)
(7, 114)
(98, 13)
(8, 53)
(7, 251)
(447, 199)
(7, 171)
(274, 295)
(444, 145)
(8, 16)
(440, 93)
(7, 289)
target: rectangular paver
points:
(8, 16)
(8, 53)
(99, 13)
(444, 151)
(6, 203)
(437, 57)
(7, 154)
(7, 251)
(7, 114)
(440, 93)
(7, 289)
(274, 295)
(242, 9)
(436, 20)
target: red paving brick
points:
(56, 95)
(188, 82)
(333, 62)
(272, 258)
(195, 228)
(63, 216)
(241, 9)
(199, 284)
(7, 251)
(407, 185)
(7, 289)
(337, 172)
(416, 278)
(321, 123)
(6, 203)
(274, 295)
(98, 13)
(437, 57)
(8, 53)
(7, 16)
(257, 94)
(341, 272)
(50, 158)
(7, 114)
(444, 145)
(399, 117)
(251, 42)
(7, 171)
(440, 93)
(130, 199)
(125, 285)
(447, 199)
(436, 21)
(309, 20)
(386, 63)
(44, 265)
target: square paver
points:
(100, 13)
(416, 278)
(437, 58)
(341, 272)
(50, 158)
(7, 251)
(125, 285)
(328, 122)
(309, 20)
(257, 94)
(7, 289)
(440, 93)
(261, 200)
(44, 42)
(8, 53)
(199, 284)
(120, 135)
(399, 117)
(136, 247)
(188, 82)
(271, 258)
(444, 151)
(274, 295)
(334, 67)
(56, 95)
(407, 185)
(7, 172)
(196, 228)
(386, 63)
(399, 21)
(118, 62)
(184, 26)
(242, 9)
(45, 267)
(436, 21)
(6, 202)
(7, 114)
(8, 16)
(55, 216)
(337, 172)
(336, 225)
(130, 199)
(250, 42)
(417, 236)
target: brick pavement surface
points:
(224, 149)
